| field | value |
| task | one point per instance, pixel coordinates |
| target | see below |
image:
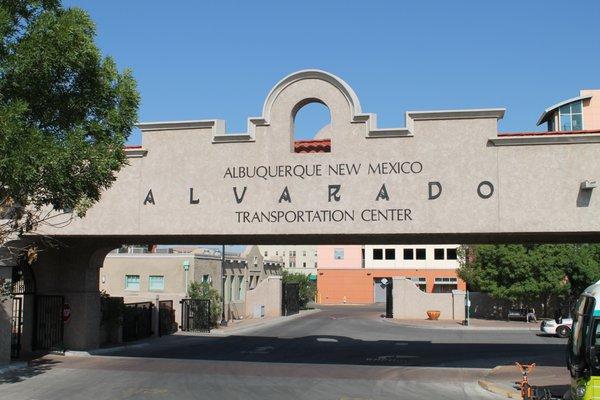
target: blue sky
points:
(219, 59)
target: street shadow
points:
(34, 368)
(328, 350)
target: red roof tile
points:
(312, 146)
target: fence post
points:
(155, 317)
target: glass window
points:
(156, 282)
(132, 282)
(421, 254)
(390, 254)
(206, 278)
(304, 253)
(338, 254)
(303, 264)
(451, 254)
(377, 254)
(409, 254)
(266, 253)
(571, 117)
(438, 254)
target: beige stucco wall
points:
(536, 181)
(412, 303)
(268, 294)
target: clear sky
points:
(219, 59)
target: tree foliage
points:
(531, 272)
(205, 291)
(65, 113)
(307, 288)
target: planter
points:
(433, 314)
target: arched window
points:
(310, 127)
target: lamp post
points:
(186, 268)
(223, 277)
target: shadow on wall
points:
(36, 367)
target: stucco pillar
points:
(5, 317)
(72, 271)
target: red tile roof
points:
(549, 133)
(312, 146)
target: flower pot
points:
(433, 314)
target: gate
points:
(48, 331)
(389, 299)
(137, 321)
(290, 303)
(16, 327)
(166, 318)
(195, 315)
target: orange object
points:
(526, 389)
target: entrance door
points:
(48, 334)
(16, 327)
(378, 291)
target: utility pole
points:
(223, 277)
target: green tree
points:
(531, 273)
(65, 114)
(307, 288)
(204, 291)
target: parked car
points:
(562, 328)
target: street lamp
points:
(223, 277)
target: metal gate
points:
(389, 299)
(195, 315)
(166, 318)
(48, 331)
(137, 321)
(290, 303)
(16, 327)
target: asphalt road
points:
(340, 353)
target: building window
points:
(338, 254)
(156, 282)
(315, 264)
(303, 253)
(390, 254)
(240, 294)
(266, 253)
(276, 253)
(421, 254)
(451, 254)
(571, 117)
(377, 254)
(132, 282)
(445, 285)
(438, 254)
(206, 278)
(303, 264)
(283, 253)
(420, 282)
(409, 254)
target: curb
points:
(490, 387)
(106, 350)
(13, 366)
(462, 328)
(265, 324)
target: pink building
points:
(581, 113)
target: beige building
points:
(138, 274)
(295, 259)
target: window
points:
(156, 282)
(132, 282)
(451, 254)
(206, 278)
(571, 117)
(315, 264)
(420, 282)
(421, 254)
(390, 254)
(338, 254)
(240, 294)
(409, 254)
(266, 253)
(283, 253)
(438, 254)
(445, 285)
(304, 253)
(377, 254)
(276, 253)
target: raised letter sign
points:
(149, 198)
(285, 196)
(434, 195)
(383, 194)
(333, 192)
(192, 200)
(239, 199)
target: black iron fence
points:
(137, 321)
(290, 302)
(389, 299)
(48, 329)
(166, 318)
(16, 327)
(195, 315)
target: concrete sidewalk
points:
(502, 380)
(474, 324)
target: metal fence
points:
(166, 318)
(16, 327)
(195, 315)
(389, 299)
(290, 303)
(48, 331)
(137, 321)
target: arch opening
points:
(311, 122)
